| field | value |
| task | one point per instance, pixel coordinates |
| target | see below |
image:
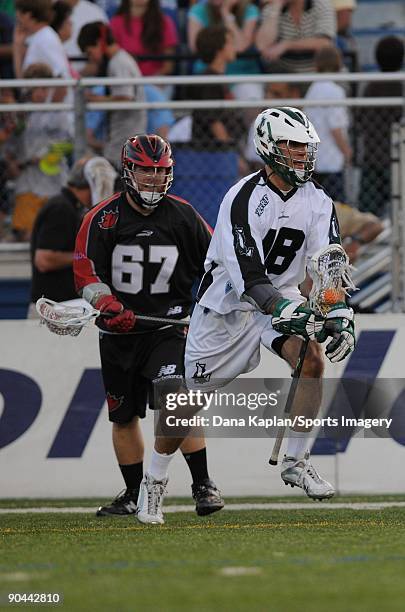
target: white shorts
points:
(220, 347)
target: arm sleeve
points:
(202, 233)
(124, 68)
(92, 256)
(241, 243)
(324, 229)
(325, 19)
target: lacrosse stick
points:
(69, 320)
(330, 272)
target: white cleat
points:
(301, 473)
(150, 500)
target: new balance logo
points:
(167, 370)
(175, 310)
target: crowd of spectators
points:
(134, 38)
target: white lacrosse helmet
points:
(286, 124)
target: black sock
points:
(197, 463)
(132, 474)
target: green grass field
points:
(328, 560)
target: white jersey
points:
(264, 236)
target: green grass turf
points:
(94, 502)
(311, 561)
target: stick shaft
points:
(167, 321)
(163, 320)
(289, 402)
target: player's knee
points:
(120, 425)
(313, 366)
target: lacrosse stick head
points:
(62, 319)
(331, 274)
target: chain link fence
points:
(212, 139)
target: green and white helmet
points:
(286, 124)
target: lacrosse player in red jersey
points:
(269, 225)
(140, 251)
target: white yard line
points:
(242, 506)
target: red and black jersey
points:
(149, 262)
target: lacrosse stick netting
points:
(68, 320)
(331, 274)
(62, 319)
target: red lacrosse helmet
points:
(147, 152)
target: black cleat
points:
(123, 505)
(207, 497)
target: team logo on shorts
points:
(114, 402)
(199, 375)
(109, 219)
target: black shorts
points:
(131, 363)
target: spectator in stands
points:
(8, 125)
(36, 42)
(239, 16)
(374, 124)
(141, 28)
(62, 24)
(98, 44)
(8, 6)
(83, 12)
(62, 19)
(331, 123)
(344, 13)
(53, 237)
(356, 228)
(6, 46)
(293, 30)
(38, 155)
(215, 46)
(160, 120)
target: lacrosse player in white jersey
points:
(269, 224)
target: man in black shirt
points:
(141, 251)
(54, 233)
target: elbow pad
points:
(92, 293)
(262, 297)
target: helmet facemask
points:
(289, 163)
(150, 188)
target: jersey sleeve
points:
(93, 249)
(241, 242)
(324, 228)
(201, 238)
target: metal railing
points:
(388, 265)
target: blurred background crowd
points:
(213, 147)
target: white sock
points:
(159, 465)
(298, 443)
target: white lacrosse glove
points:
(296, 319)
(339, 323)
